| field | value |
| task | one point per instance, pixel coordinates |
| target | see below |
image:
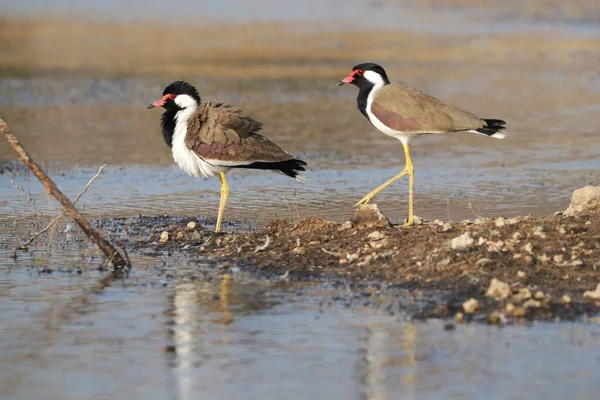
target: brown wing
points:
(408, 110)
(220, 132)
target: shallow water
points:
(77, 99)
(232, 336)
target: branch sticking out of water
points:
(58, 218)
(118, 262)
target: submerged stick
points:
(104, 245)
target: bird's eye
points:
(360, 72)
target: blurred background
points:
(75, 79)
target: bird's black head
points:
(366, 75)
(178, 95)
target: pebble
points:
(446, 227)
(376, 235)
(528, 247)
(495, 246)
(470, 306)
(418, 220)
(179, 235)
(562, 230)
(345, 226)
(196, 235)
(539, 295)
(517, 235)
(521, 274)
(449, 327)
(500, 222)
(164, 237)
(191, 225)
(378, 239)
(514, 311)
(558, 258)
(531, 303)
(592, 294)
(458, 318)
(498, 289)
(565, 299)
(462, 242)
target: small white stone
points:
(500, 222)
(498, 289)
(592, 294)
(539, 295)
(164, 237)
(531, 303)
(516, 235)
(470, 306)
(565, 299)
(462, 242)
(345, 226)
(528, 247)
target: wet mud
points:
(497, 270)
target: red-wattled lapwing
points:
(403, 113)
(209, 139)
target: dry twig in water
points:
(104, 245)
(58, 218)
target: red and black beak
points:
(162, 101)
(349, 79)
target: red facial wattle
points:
(163, 100)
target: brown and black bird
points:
(209, 138)
(404, 113)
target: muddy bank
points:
(497, 269)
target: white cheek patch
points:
(185, 101)
(374, 78)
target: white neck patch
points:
(186, 101)
(374, 78)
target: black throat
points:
(361, 100)
(167, 125)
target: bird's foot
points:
(409, 222)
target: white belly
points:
(186, 158)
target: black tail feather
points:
(289, 167)
(493, 126)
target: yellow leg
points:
(411, 185)
(224, 195)
(372, 194)
(408, 170)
